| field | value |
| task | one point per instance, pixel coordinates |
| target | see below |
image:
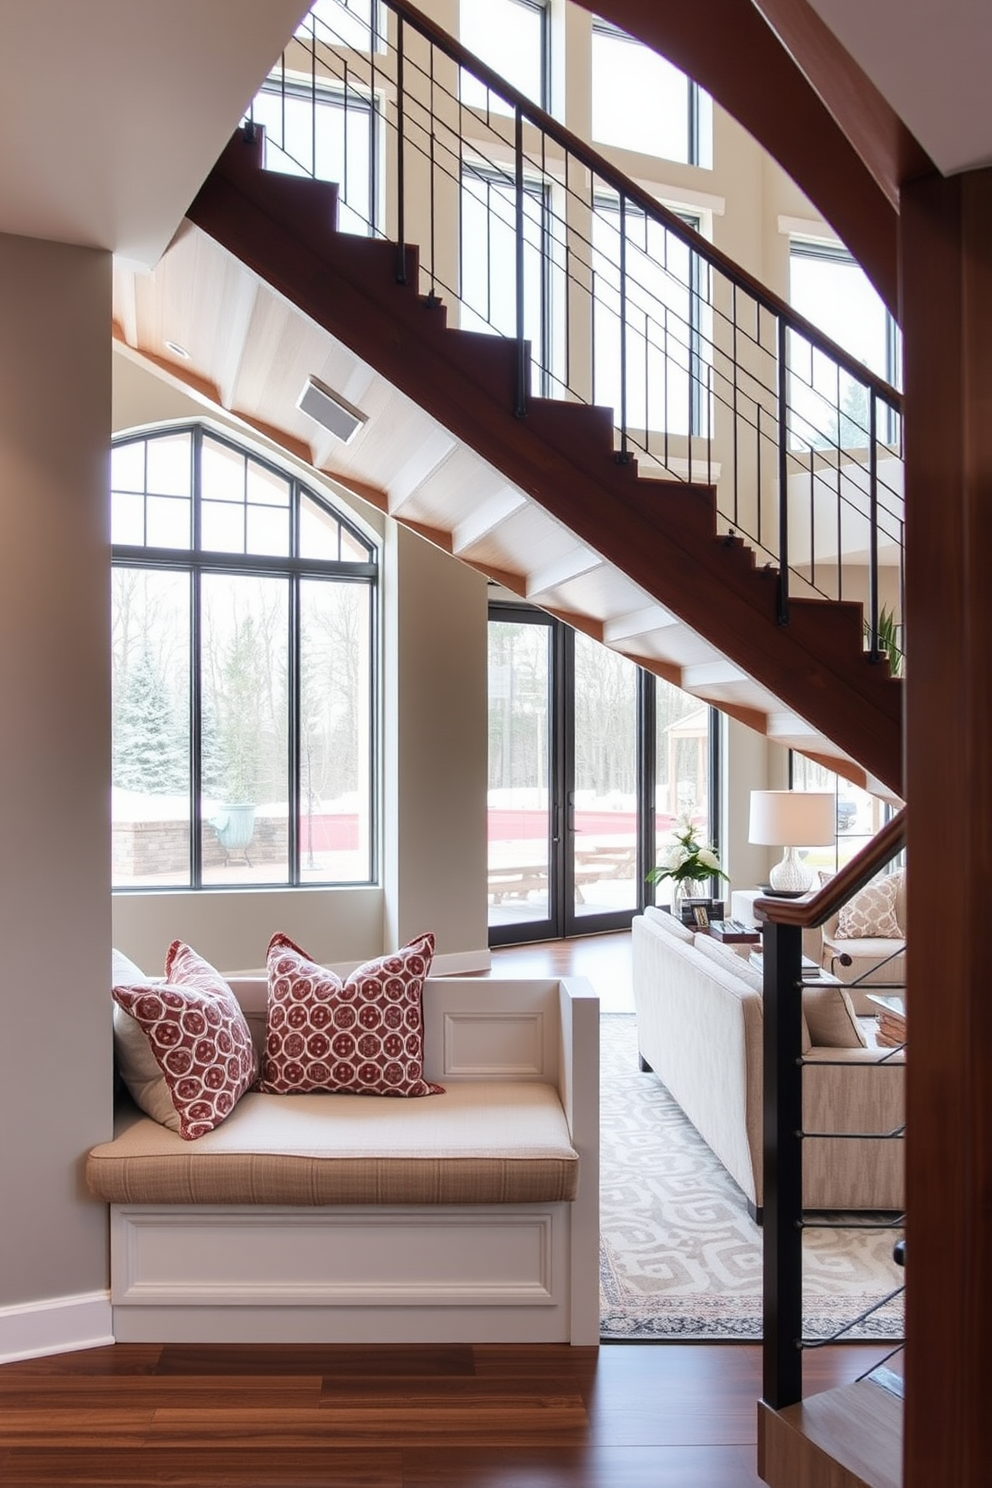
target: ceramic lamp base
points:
(791, 876)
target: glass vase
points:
(683, 889)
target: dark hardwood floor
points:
(652, 1415)
(437, 1416)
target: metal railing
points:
(785, 1222)
(526, 232)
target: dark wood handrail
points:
(645, 203)
(817, 908)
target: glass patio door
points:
(571, 780)
(603, 827)
(524, 828)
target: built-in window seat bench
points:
(471, 1216)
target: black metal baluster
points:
(373, 122)
(520, 409)
(875, 652)
(432, 298)
(735, 506)
(783, 475)
(313, 96)
(624, 454)
(401, 276)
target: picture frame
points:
(701, 917)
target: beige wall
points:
(434, 764)
(55, 1052)
(435, 746)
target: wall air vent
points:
(330, 410)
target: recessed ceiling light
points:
(330, 410)
(177, 350)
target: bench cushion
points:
(479, 1143)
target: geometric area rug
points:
(680, 1257)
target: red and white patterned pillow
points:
(198, 1037)
(361, 1036)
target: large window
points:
(510, 36)
(243, 635)
(830, 289)
(345, 23)
(488, 267)
(650, 343)
(641, 102)
(859, 814)
(328, 133)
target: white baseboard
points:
(57, 1325)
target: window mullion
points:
(196, 677)
(293, 763)
(195, 743)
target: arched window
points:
(243, 672)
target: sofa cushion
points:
(829, 1019)
(480, 1142)
(725, 955)
(194, 1030)
(669, 923)
(362, 1036)
(872, 912)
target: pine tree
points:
(151, 738)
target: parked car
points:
(847, 813)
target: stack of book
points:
(811, 970)
(891, 1027)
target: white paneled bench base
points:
(468, 1217)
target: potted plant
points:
(234, 822)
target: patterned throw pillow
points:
(199, 1039)
(362, 1036)
(872, 913)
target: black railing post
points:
(783, 472)
(874, 651)
(782, 1165)
(518, 152)
(624, 454)
(400, 173)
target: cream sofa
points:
(471, 1216)
(699, 1028)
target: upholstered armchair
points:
(865, 942)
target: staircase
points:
(565, 503)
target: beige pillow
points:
(666, 921)
(872, 913)
(829, 1014)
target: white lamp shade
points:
(792, 818)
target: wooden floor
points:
(604, 959)
(447, 1416)
(622, 1416)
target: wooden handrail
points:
(816, 908)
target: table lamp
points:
(791, 819)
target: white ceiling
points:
(112, 112)
(930, 59)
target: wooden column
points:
(946, 248)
